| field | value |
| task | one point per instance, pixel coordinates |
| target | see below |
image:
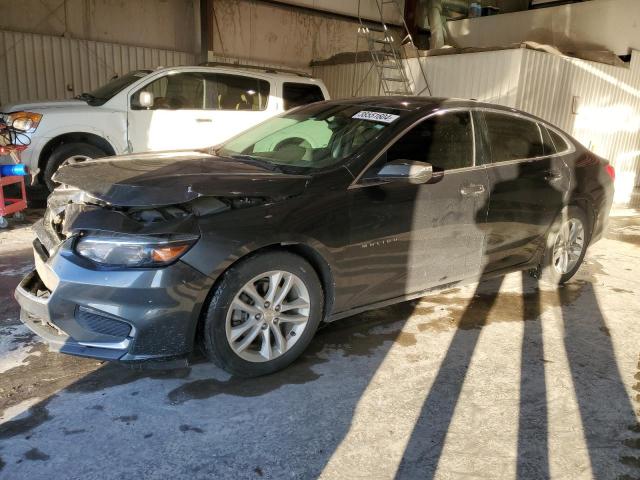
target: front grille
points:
(100, 324)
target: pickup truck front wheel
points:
(67, 154)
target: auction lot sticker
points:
(376, 116)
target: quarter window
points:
(297, 94)
(445, 141)
(559, 142)
(512, 138)
(547, 142)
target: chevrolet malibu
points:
(322, 212)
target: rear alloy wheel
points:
(263, 314)
(566, 247)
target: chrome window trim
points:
(355, 183)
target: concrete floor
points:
(507, 380)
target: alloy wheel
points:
(267, 316)
(568, 246)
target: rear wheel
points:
(67, 154)
(566, 246)
(263, 314)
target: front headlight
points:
(24, 121)
(132, 250)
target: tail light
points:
(610, 171)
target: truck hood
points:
(38, 106)
(171, 178)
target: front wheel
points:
(567, 243)
(68, 154)
(263, 314)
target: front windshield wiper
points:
(253, 160)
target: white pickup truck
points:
(164, 109)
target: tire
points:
(63, 153)
(551, 272)
(221, 316)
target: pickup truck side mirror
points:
(145, 100)
(407, 171)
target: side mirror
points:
(146, 99)
(407, 171)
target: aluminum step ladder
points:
(386, 51)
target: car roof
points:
(413, 103)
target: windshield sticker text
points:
(376, 116)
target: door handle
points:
(204, 120)
(551, 176)
(472, 190)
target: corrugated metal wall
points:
(598, 104)
(39, 67)
(487, 76)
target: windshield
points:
(104, 93)
(316, 136)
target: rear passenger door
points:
(528, 183)
(238, 103)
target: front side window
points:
(317, 136)
(178, 91)
(297, 94)
(512, 138)
(445, 141)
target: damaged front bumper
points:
(128, 315)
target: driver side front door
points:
(406, 238)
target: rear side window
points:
(512, 138)
(297, 94)
(236, 92)
(445, 141)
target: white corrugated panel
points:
(487, 76)
(349, 79)
(43, 67)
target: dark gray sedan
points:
(325, 211)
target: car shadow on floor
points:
(357, 347)
(607, 416)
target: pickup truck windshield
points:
(316, 136)
(107, 91)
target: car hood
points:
(171, 178)
(38, 106)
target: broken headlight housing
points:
(119, 250)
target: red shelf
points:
(12, 205)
